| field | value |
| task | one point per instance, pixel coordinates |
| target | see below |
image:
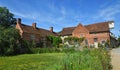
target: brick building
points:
(93, 33)
(33, 33)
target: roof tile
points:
(96, 27)
(40, 31)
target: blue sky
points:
(65, 13)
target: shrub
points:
(74, 40)
(55, 41)
(9, 41)
(26, 45)
(44, 50)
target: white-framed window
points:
(32, 37)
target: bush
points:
(74, 41)
(26, 45)
(44, 50)
(55, 41)
(9, 41)
(68, 50)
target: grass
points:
(30, 61)
(93, 59)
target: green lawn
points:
(30, 61)
(88, 59)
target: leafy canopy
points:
(6, 18)
(9, 41)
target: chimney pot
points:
(51, 29)
(19, 20)
(34, 25)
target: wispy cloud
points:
(109, 12)
(53, 15)
(18, 14)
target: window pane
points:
(103, 42)
(95, 39)
(32, 37)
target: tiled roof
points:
(80, 29)
(67, 31)
(96, 27)
(40, 31)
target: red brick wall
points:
(81, 31)
(27, 36)
(100, 36)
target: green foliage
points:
(94, 59)
(68, 50)
(6, 18)
(74, 40)
(51, 50)
(9, 37)
(119, 40)
(44, 50)
(9, 41)
(106, 45)
(26, 46)
(54, 40)
(40, 44)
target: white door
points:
(96, 42)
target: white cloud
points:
(109, 12)
(18, 14)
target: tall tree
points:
(9, 41)
(6, 18)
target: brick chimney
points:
(19, 21)
(34, 25)
(51, 29)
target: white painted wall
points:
(111, 25)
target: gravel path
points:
(115, 58)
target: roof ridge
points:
(99, 23)
(70, 27)
(82, 27)
(25, 25)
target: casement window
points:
(43, 38)
(103, 42)
(32, 37)
(95, 39)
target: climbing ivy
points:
(55, 41)
(74, 40)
